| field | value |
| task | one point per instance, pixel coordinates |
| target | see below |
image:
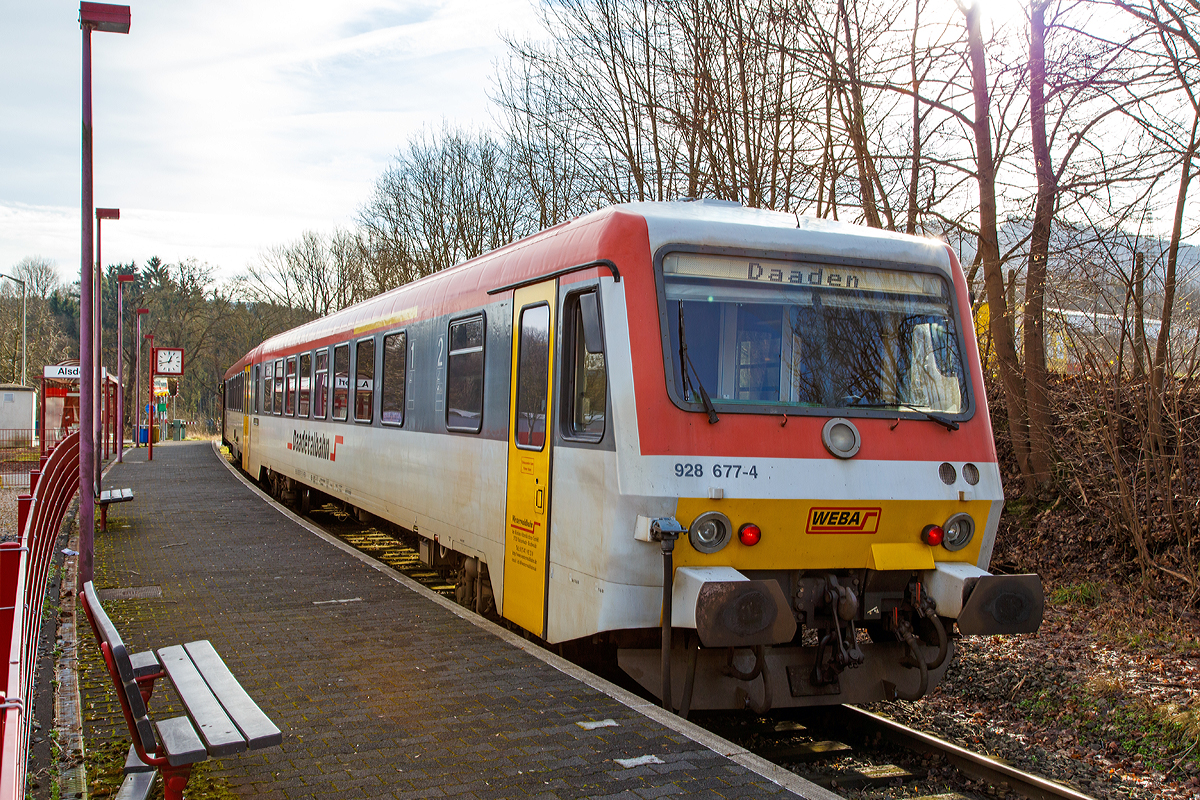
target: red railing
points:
(24, 568)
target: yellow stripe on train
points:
(820, 534)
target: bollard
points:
(34, 475)
(24, 503)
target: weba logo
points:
(843, 520)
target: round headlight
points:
(958, 531)
(841, 438)
(947, 474)
(710, 532)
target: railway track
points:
(847, 749)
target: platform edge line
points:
(758, 765)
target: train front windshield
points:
(773, 334)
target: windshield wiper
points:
(684, 363)
(945, 422)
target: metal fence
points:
(20, 452)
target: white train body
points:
(842, 369)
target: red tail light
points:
(932, 535)
(749, 534)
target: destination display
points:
(799, 273)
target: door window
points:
(533, 376)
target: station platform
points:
(382, 688)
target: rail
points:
(24, 569)
(975, 765)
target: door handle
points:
(539, 500)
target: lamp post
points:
(121, 281)
(110, 19)
(24, 341)
(137, 384)
(98, 333)
(150, 398)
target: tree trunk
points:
(989, 250)
(1033, 333)
(1161, 354)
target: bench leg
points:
(104, 518)
(175, 780)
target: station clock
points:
(168, 360)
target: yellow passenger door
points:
(527, 535)
(247, 396)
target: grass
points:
(1084, 593)
(1108, 719)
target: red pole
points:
(150, 396)
(42, 419)
(87, 379)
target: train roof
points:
(704, 222)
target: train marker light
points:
(749, 534)
(932, 535)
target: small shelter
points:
(18, 419)
(60, 401)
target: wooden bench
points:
(221, 718)
(107, 498)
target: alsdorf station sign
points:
(62, 372)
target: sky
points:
(225, 127)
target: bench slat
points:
(220, 735)
(135, 764)
(180, 741)
(245, 713)
(136, 786)
(144, 664)
(115, 496)
(99, 617)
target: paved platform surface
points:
(392, 692)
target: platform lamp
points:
(121, 281)
(137, 383)
(109, 19)
(24, 341)
(150, 397)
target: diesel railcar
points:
(749, 453)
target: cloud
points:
(229, 127)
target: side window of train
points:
(268, 386)
(289, 388)
(305, 394)
(278, 386)
(364, 379)
(257, 388)
(464, 376)
(321, 385)
(341, 380)
(586, 395)
(395, 357)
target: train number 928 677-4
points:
(698, 470)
